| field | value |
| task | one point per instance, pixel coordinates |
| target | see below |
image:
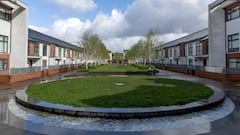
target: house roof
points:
(202, 34)
(40, 37)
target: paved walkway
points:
(226, 126)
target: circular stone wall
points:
(120, 113)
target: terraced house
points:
(27, 54)
(213, 52)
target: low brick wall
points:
(215, 76)
(204, 74)
(32, 75)
(180, 70)
(233, 77)
(4, 78)
(27, 76)
(162, 67)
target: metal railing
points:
(202, 68)
(233, 71)
(63, 66)
(14, 71)
(177, 66)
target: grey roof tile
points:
(40, 37)
(202, 34)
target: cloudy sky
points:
(119, 23)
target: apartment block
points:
(13, 34)
(27, 54)
(188, 50)
(45, 51)
(213, 52)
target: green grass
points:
(136, 92)
(119, 68)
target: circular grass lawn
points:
(119, 92)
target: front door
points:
(204, 62)
(30, 63)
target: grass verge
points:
(121, 92)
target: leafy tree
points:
(136, 52)
(144, 50)
(93, 48)
(149, 47)
(117, 56)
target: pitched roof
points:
(40, 37)
(202, 34)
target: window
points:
(4, 14)
(190, 62)
(59, 52)
(3, 44)
(190, 50)
(233, 43)
(170, 50)
(234, 63)
(175, 52)
(233, 13)
(44, 50)
(156, 54)
(36, 49)
(64, 52)
(198, 49)
(3, 64)
(73, 54)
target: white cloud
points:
(166, 16)
(110, 25)
(70, 29)
(121, 29)
(120, 44)
(77, 5)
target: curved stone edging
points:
(129, 73)
(119, 113)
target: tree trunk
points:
(86, 65)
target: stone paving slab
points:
(7, 130)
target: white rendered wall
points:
(19, 37)
(40, 49)
(217, 40)
(52, 62)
